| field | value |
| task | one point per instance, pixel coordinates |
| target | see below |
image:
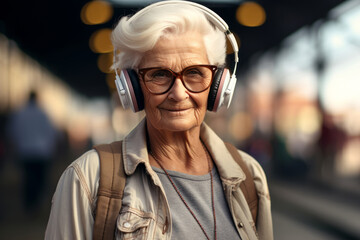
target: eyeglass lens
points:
(194, 78)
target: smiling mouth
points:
(177, 110)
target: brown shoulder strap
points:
(247, 186)
(110, 191)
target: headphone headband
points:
(220, 23)
(212, 16)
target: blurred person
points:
(330, 143)
(181, 180)
(33, 140)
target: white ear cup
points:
(229, 92)
(225, 90)
(123, 91)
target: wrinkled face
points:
(178, 109)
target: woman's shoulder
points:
(84, 172)
(257, 172)
(87, 165)
(88, 162)
(253, 165)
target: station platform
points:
(311, 210)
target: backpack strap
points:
(110, 191)
(247, 186)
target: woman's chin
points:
(174, 121)
(177, 125)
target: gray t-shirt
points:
(196, 190)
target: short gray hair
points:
(133, 36)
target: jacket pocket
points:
(133, 225)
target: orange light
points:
(110, 80)
(96, 12)
(100, 41)
(104, 62)
(251, 14)
(241, 126)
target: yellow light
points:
(241, 126)
(100, 41)
(251, 14)
(347, 163)
(96, 12)
(308, 120)
(110, 80)
(104, 62)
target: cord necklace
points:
(182, 198)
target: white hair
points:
(133, 36)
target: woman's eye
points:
(193, 72)
(161, 74)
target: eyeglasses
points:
(196, 78)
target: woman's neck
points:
(178, 151)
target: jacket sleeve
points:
(264, 219)
(71, 215)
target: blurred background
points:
(296, 108)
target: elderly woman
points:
(181, 180)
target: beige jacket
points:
(145, 212)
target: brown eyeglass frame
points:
(176, 75)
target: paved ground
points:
(311, 211)
(287, 227)
(14, 222)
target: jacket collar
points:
(230, 171)
(135, 152)
(135, 148)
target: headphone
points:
(223, 83)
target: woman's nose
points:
(178, 91)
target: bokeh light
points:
(241, 126)
(251, 14)
(96, 12)
(347, 163)
(105, 61)
(100, 41)
(110, 80)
